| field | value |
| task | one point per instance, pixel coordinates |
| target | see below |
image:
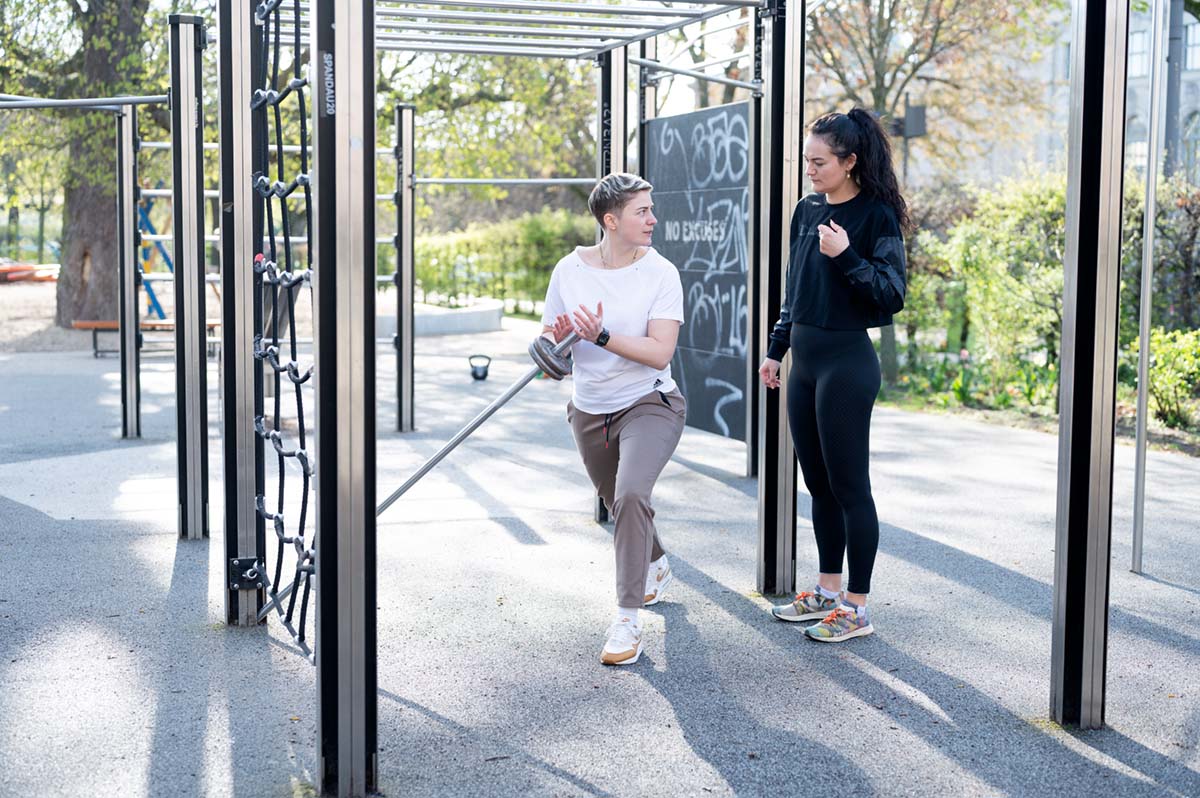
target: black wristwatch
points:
(602, 338)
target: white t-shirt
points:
(647, 289)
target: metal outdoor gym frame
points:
(124, 111)
(187, 41)
(345, 36)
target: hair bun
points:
(860, 116)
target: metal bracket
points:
(245, 573)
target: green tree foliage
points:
(959, 59)
(509, 260)
(1176, 279)
(32, 152)
(1004, 264)
(1174, 374)
(66, 48)
(494, 117)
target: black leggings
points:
(831, 390)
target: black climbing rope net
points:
(284, 263)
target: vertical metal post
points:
(1174, 89)
(343, 47)
(647, 103)
(613, 123)
(130, 275)
(612, 149)
(405, 276)
(241, 307)
(754, 242)
(188, 42)
(1095, 147)
(780, 175)
(1147, 295)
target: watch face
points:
(602, 338)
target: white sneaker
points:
(624, 644)
(657, 579)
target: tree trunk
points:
(88, 283)
(14, 230)
(912, 360)
(41, 234)
(889, 363)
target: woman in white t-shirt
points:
(626, 303)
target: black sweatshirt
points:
(860, 288)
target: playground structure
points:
(344, 38)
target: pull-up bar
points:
(502, 181)
(626, 10)
(754, 86)
(8, 101)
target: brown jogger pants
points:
(624, 452)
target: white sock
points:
(829, 594)
(632, 613)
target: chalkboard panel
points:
(700, 168)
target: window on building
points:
(1191, 59)
(1139, 54)
(1191, 148)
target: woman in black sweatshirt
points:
(845, 275)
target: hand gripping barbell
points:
(550, 360)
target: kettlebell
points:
(479, 366)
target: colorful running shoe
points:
(841, 624)
(806, 607)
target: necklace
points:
(604, 260)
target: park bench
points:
(147, 325)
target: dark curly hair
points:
(859, 133)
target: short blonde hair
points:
(613, 193)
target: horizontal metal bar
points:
(717, 62)
(531, 19)
(166, 145)
(741, 84)
(491, 41)
(168, 277)
(505, 181)
(486, 51)
(212, 145)
(390, 27)
(474, 424)
(166, 193)
(298, 240)
(448, 27)
(740, 22)
(663, 29)
(98, 103)
(481, 36)
(625, 9)
(25, 98)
